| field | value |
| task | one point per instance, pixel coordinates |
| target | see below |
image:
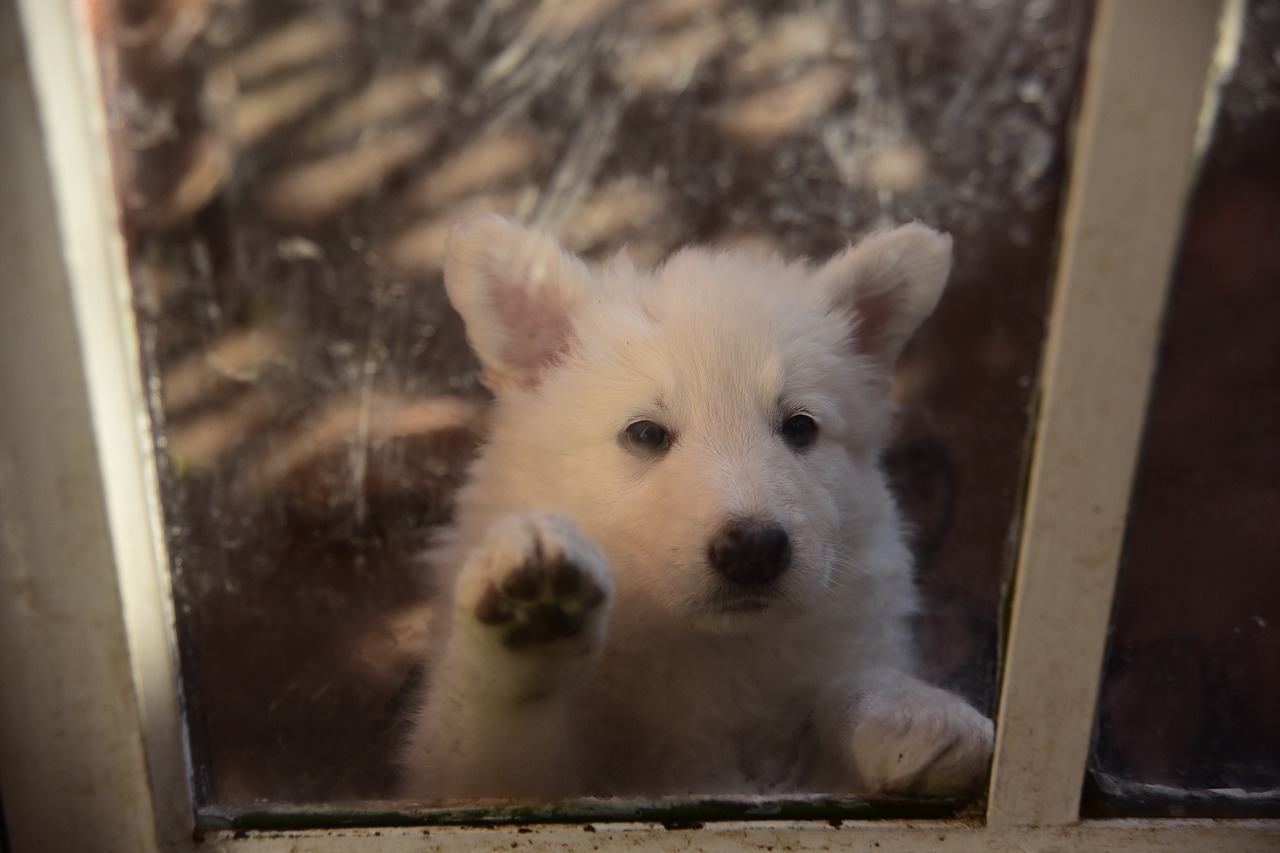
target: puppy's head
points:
(713, 425)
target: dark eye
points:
(800, 431)
(647, 436)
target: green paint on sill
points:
(672, 813)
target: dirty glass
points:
(287, 172)
(1189, 719)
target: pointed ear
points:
(888, 283)
(516, 291)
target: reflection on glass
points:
(1189, 718)
(288, 172)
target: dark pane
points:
(1191, 697)
(288, 171)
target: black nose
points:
(750, 552)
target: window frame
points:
(84, 584)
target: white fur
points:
(664, 689)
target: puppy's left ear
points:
(888, 283)
(516, 290)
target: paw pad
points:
(539, 603)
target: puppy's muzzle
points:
(750, 552)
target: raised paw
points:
(536, 580)
(917, 739)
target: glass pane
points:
(1189, 719)
(288, 172)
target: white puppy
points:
(677, 568)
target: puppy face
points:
(713, 426)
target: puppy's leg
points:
(900, 735)
(530, 610)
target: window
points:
(295, 379)
(314, 403)
(1188, 714)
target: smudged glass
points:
(287, 173)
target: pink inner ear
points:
(876, 306)
(536, 327)
(873, 315)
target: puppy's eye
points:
(800, 431)
(647, 436)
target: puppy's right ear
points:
(516, 291)
(887, 284)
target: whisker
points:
(844, 568)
